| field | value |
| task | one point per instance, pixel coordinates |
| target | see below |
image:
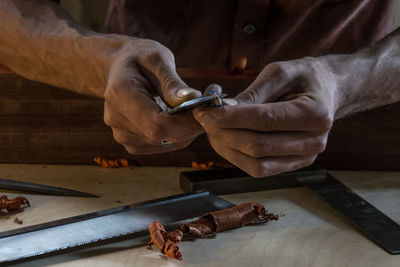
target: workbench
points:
(308, 233)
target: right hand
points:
(280, 123)
(139, 69)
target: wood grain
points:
(44, 124)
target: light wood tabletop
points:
(309, 234)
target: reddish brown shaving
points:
(207, 224)
(13, 204)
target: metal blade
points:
(41, 189)
(377, 226)
(107, 225)
(194, 103)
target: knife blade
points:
(40, 188)
(194, 103)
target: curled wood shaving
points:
(18, 221)
(202, 166)
(112, 163)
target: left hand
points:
(279, 123)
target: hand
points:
(279, 123)
(142, 68)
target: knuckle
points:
(108, 120)
(305, 106)
(319, 145)
(259, 169)
(112, 90)
(149, 44)
(278, 70)
(256, 150)
(108, 94)
(274, 67)
(120, 137)
(174, 129)
(270, 115)
(252, 95)
(213, 131)
(132, 149)
(154, 50)
(160, 129)
(301, 163)
(319, 117)
(118, 87)
(156, 132)
(307, 162)
(314, 145)
(324, 121)
(167, 53)
(170, 81)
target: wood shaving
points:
(112, 163)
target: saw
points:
(103, 226)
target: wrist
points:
(349, 73)
(326, 83)
(96, 54)
(368, 78)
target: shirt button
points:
(249, 28)
(239, 65)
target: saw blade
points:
(106, 225)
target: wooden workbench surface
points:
(310, 233)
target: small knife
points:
(41, 189)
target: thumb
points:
(270, 85)
(174, 90)
(161, 72)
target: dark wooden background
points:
(44, 124)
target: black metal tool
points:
(103, 226)
(377, 226)
(232, 180)
(374, 224)
(40, 189)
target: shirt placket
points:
(249, 32)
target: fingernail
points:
(229, 102)
(182, 93)
(206, 119)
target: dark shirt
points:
(210, 34)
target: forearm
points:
(41, 42)
(369, 78)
